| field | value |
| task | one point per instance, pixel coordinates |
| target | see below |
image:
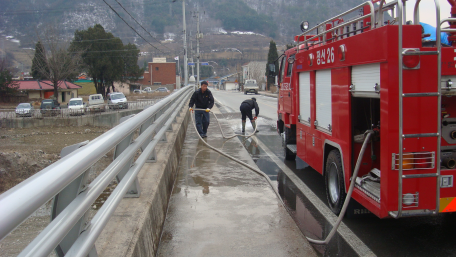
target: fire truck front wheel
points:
(334, 181)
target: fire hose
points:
(367, 135)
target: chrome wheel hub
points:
(333, 183)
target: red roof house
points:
(44, 89)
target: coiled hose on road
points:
(349, 193)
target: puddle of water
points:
(309, 220)
(311, 223)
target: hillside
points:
(220, 21)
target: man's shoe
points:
(203, 135)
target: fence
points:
(66, 182)
(13, 98)
(68, 113)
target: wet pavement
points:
(220, 208)
(266, 150)
(303, 191)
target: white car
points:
(24, 109)
(76, 106)
(117, 100)
(148, 90)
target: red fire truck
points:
(368, 69)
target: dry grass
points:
(23, 152)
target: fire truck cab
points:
(373, 73)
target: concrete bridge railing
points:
(66, 182)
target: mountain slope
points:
(279, 19)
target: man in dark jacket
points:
(246, 111)
(202, 99)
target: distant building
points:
(159, 73)
(231, 83)
(44, 89)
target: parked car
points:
(50, 107)
(76, 106)
(148, 90)
(24, 109)
(96, 103)
(137, 91)
(162, 89)
(117, 100)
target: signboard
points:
(191, 63)
(159, 60)
(204, 63)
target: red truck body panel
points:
(420, 114)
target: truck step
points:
(292, 148)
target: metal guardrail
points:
(65, 181)
(322, 31)
(71, 113)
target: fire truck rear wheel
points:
(334, 181)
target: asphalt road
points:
(304, 193)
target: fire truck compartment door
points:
(366, 80)
(304, 96)
(323, 100)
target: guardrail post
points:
(144, 126)
(133, 191)
(64, 198)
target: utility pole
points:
(198, 36)
(191, 57)
(185, 45)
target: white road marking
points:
(355, 243)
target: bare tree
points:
(256, 70)
(58, 63)
(7, 84)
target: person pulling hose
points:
(202, 99)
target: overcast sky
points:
(427, 11)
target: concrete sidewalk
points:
(220, 208)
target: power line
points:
(141, 25)
(131, 26)
(10, 13)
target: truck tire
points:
(287, 139)
(334, 182)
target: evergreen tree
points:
(106, 58)
(39, 59)
(272, 57)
